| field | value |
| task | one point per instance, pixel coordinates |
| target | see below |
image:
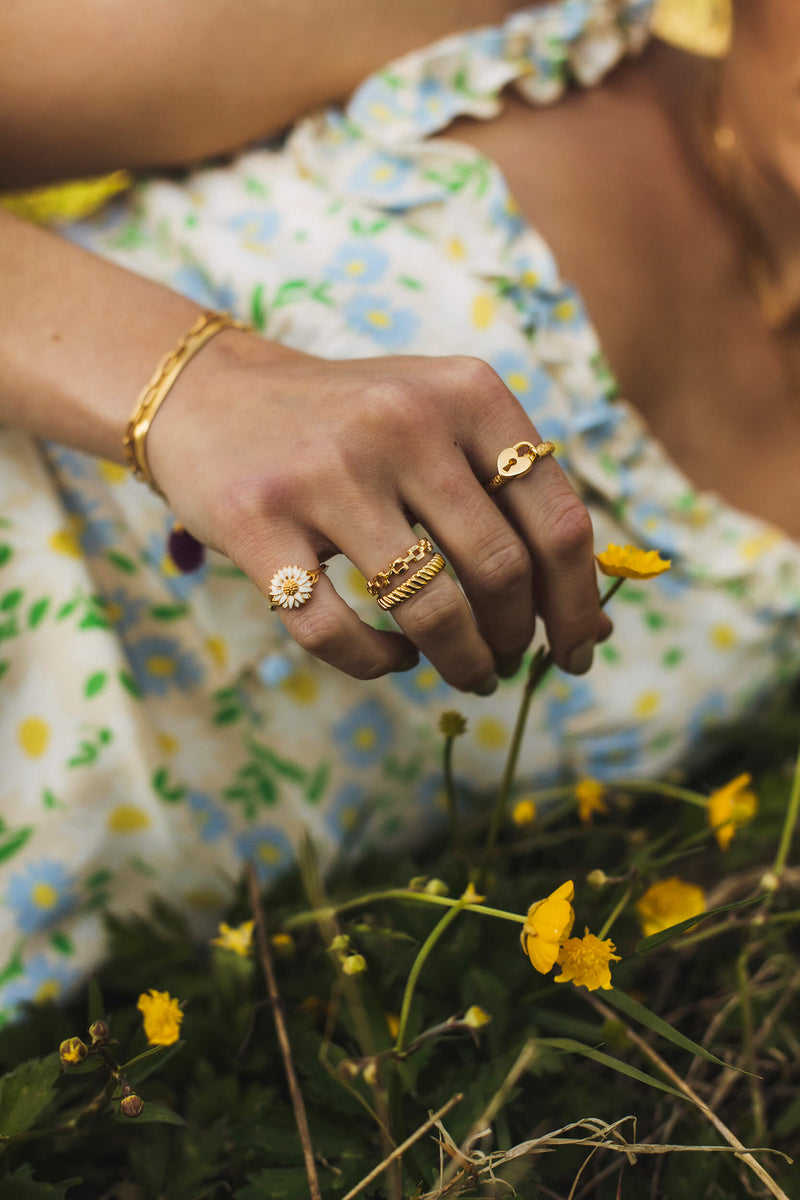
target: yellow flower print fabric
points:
(157, 730)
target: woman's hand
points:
(277, 458)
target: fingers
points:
(437, 617)
(313, 613)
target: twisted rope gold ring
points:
(418, 580)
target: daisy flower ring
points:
(291, 587)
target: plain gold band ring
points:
(418, 580)
(516, 461)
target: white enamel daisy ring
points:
(291, 587)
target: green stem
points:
(321, 914)
(654, 787)
(616, 910)
(756, 1100)
(541, 663)
(414, 973)
(450, 794)
(789, 822)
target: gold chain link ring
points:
(418, 580)
(399, 565)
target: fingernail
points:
(580, 659)
(487, 687)
(508, 667)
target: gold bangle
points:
(153, 396)
(418, 580)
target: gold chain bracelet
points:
(153, 396)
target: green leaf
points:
(4, 665)
(93, 620)
(258, 316)
(95, 684)
(5, 553)
(11, 600)
(570, 1046)
(156, 1113)
(283, 766)
(130, 684)
(665, 935)
(20, 1185)
(122, 562)
(25, 1093)
(62, 943)
(160, 782)
(276, 1183)
(632, 1008)
(37, 611)
(168, 612)
(226, 715)
(11, 845)
(138, 1068)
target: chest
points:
(641, 235)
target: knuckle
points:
(568, 532)
(319, 632)
(504, 567)
(390, 404)
(433, 612)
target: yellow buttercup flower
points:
(667, 902)
(626, 562)
(524, 812)
(239, 940)
(731, 806)
(586, 962)
(589, 794)
(548, 924)
(162, 1017)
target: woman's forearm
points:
(97, 84)
(79, 338)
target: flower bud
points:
(436, 887)
(597, 878)
(72, 1052)
(354, 964)
(475, 1017)
(371, 1073)
(347, 1069)
(283, 944)
(99, 1032)
(524, 812)
(131, 1106)
(452, 724)
(340, 942)
(770, 882)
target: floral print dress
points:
(159, 729)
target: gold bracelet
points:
(167, 371)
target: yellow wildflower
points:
(667, 902)
(585, 962)
(626, 562)
(239, 940)
(731, 806)
(589, 794)
(548, 923)
(524, 812)
(72, 1052)
(354, 964)
(162, 1017)
(475, 1017)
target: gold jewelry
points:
(164, 376)
(399, 565)
(516, 461)
(291, 587)
(418, 580)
